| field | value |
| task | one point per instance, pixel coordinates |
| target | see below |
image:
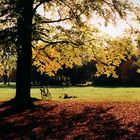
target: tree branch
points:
(59, 42)
(42, 20)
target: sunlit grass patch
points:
(99, 94)
(96, 94)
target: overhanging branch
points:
(59, 42)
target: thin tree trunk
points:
(24, 51)
(4, 79)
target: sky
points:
(135, 1)
(118, 29)
(112, 30)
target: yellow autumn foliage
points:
(107, 57)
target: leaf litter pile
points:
(72, 120)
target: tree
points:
(7, 62)
(138, 52)
(107, 53)
(20, 14)
(24, 25)
(110, 57)
(134, 34)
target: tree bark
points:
(5, 79)
(24, 51)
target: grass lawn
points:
(96, 94)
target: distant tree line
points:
(84, 75)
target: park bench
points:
(45, 93)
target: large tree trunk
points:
(24, 51)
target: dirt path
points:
(72, 120)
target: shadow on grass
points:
(50, 123)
